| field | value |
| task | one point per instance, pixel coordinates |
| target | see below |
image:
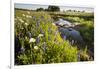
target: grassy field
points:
(38, 41)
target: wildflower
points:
(53, 24)
(32, 40)
(23, 15)
(27, 16)
(64, 37)
(41, 31)
(35, 47)
(26, 24)
(28, 12)
(21, 20)
(34, 18)
(42, 17)
(38, 23)
(37, 40)
(40, 35)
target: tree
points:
(74, 10)
(69, 10)
(83, 11)
(39, 9)
(53, 8)
(46, 9)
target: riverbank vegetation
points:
(38, 40)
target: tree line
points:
(50, 8)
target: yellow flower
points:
(32, 40)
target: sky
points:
(62, 8)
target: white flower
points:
(40, 35)
(21, 20)
(23, 15)
(28, 16)
(32, 40)
(22, 49)
(26, 24)
(53, 24)
(35, 47)
(28, 12)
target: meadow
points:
(38, 40)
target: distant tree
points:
(53, 8)
(39, 9)
(74, 10)
(78, 11)
(69, 10)
(83, 11)
(46, 9)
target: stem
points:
(31, 53)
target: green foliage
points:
(39, 9)
(40, 40)
(53, 8)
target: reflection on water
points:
(68, 33)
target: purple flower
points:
(37, 40)
(42, 17)
(34, 18)
(38, 23)
(41, 31)
(64, 37)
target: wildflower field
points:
(38, 40)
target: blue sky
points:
(35, 6)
